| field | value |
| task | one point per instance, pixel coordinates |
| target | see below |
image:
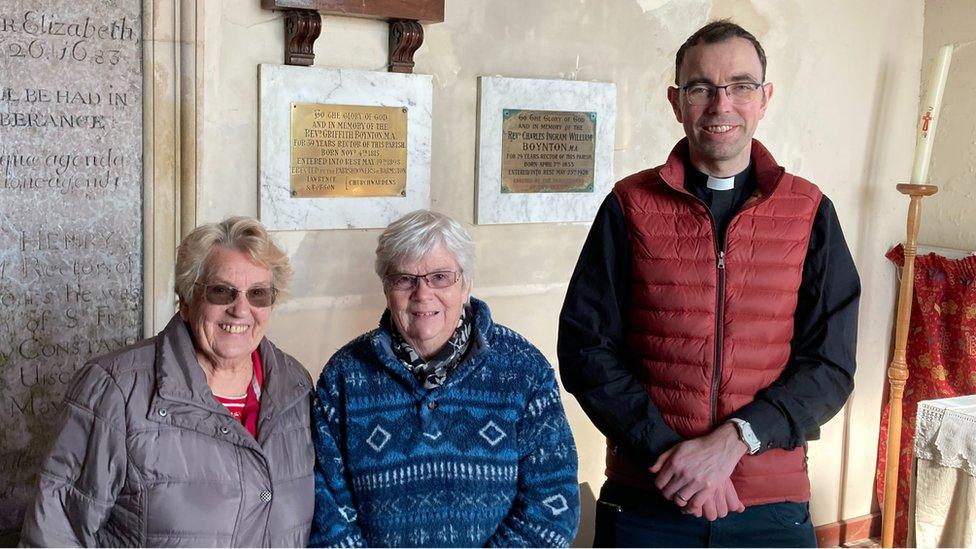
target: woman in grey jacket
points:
(198, 436)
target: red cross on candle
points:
(925, 120)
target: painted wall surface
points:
(949, 217)
(846, 92)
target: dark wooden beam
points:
(425, 11)
(302, 27)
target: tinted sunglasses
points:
(222, 294)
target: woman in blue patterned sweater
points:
(440, 427)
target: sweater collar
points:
(480, 342)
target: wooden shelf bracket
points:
(405, 39)
(303, 24)
(302, 28)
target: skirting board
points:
(838, 534)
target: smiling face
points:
(424, 316)
(720, 133)
(226, 335)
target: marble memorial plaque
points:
(340, 90)
(70, 213)
(348, 150)
(545, 149)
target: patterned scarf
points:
(433, 372)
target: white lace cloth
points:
(945, 432)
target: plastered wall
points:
(949, 217)
(846, 78)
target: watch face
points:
(747, 435)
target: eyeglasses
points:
(739, 93)
(221, 294)
(403, 282)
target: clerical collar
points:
(695, 177)
(720, 183)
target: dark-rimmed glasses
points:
(222, 294)
(739, 93)
(436, 280)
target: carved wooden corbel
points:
(406, 36)
(302, 28)
(303, 23)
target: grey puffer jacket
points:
(146, 457)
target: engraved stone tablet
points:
(348, 150)
(547, 151)
(70, 213)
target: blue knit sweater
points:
(487, 459)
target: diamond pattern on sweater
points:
(557, 504)
(378, 438)
(348, 513)
(492, 433)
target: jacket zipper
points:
(719, 329)
(720, 301)
(719, 309)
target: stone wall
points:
(70, 212)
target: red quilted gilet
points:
(706, 333)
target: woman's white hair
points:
(418, 233)
(245, 234)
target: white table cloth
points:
(944, 499)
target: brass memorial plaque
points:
(348, 150)
(547, 151)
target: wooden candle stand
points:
(898, 370)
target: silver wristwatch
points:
(747, 435)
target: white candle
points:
(929, 117)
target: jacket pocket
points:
(194, 507)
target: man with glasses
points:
(709, 327)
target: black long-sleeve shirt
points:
(595, 364)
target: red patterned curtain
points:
(941, 356)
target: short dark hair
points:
(714, 32)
